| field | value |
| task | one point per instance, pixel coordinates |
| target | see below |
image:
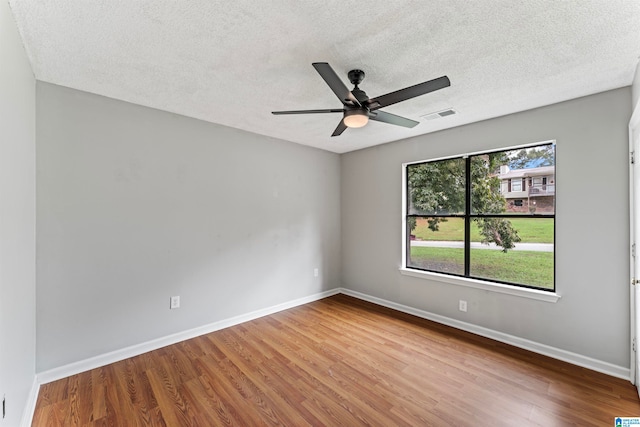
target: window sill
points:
(484, 285)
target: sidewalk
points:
(536, 247)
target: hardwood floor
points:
(338, 361)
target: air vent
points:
(440, 114)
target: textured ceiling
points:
(234, 62)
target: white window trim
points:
(519, 291)
(513, 185)
(481, 284)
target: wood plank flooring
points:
(337, 362)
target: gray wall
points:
(592, 226)
(635, 87)
(17, 220)
(136, 205)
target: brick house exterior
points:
(530, 190)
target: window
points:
(460, 221)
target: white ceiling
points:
(233, 62)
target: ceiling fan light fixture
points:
(355, 118)
(358, 108)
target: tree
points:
(533, 157)
(439, 188)
(436, 188)
(486, 199)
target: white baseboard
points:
(30, 406)
(135, 350)
(556, 353)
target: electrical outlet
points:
(315, 272)
(174, 302)
(462, 305)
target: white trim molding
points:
(484, 285)
(546, 350)
(30, 407)
(634, 213)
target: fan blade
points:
(334, 82)
(341, 127)
(355, 101)
(409, 92)
(383, 116)
(360, 96)
(332, 110)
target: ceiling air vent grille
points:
(440, 114)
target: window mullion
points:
(467, 218)
(407, 234)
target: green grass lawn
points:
(521, 267)
(530, 230)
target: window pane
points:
(436, 244)
(514, 181)
(530, 262)
(436, 188)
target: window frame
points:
(467, 279)
(513, 182)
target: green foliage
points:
(534, 230)
(521, 267)
(530, 230)
(439, 188)
(452, 230)
(486, 199)
(498, 231)
(541, 156)
(411, 223)
(485, 186)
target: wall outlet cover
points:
(463, 305)
(174, 302)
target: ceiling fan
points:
(358, 108)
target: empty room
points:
(398, 213)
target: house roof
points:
(233, 63)
(521, 173)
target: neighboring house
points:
(528, 190)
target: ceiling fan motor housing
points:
(356, 77)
